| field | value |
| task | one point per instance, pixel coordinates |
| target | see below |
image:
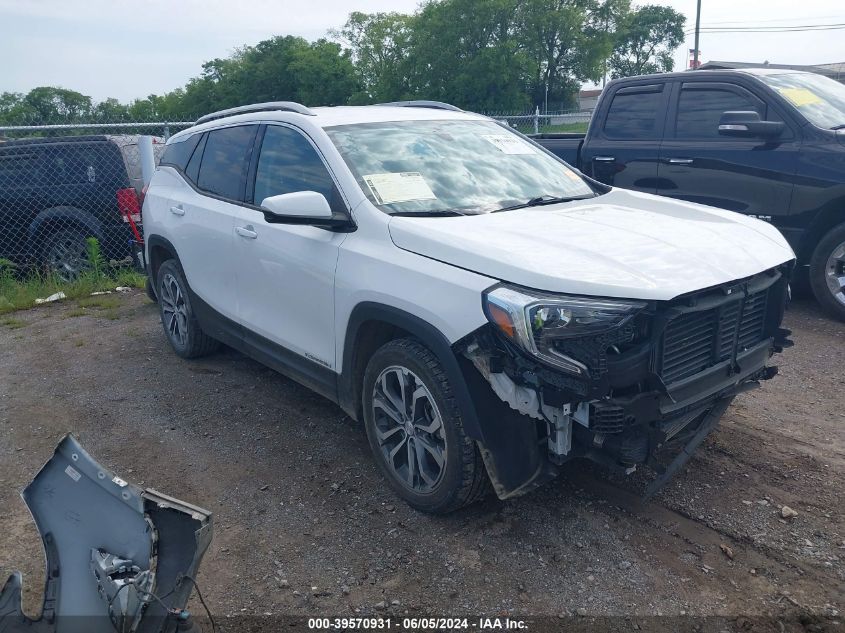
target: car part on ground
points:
(119, 558)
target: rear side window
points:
(633, 115)
(699, 111)
(225, 161)
(178, 154)
(19, 167)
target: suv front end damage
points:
(623, 383)
(119, 558)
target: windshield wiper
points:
(540, 201)
(841, 126)
(427, 214)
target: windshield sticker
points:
(401, 187)
(509, 144)
(800, 96)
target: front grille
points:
(694, 341)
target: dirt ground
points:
(304, 524)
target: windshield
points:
(468, 167)
(820, 99)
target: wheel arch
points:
(63, 217)
(159, 249)
(831, 215)
(370, 326)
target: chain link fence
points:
(61, 185)
(537, 122)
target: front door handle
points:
(177, 210)
(680, 161)
(246, 231)
(604, 159)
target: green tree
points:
(567, 42)
(468, 52)
(647, 39)
(379, 44)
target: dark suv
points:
(57, 192)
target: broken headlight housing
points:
(535, 321)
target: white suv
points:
(487, 311)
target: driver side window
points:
(288, 163)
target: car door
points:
(748, 175)
(285, 272)
(201, 212)
(625, 150)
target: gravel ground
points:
(305, 526)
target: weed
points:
(13, 324)
(19, 291)
(104, 302)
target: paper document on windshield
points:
(509, 144)
(400, 187)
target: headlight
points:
(535, 320)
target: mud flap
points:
(109, 547)
(513, 450)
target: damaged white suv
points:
(485, 309)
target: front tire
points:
(180, 324)
(827, 272)
(415, 430)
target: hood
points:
(622, 244)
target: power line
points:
(785, 29)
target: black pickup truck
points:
(764, 142)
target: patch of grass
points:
(130, 278)
(78, 343)
(104, 302)
(19, 291)
(565, 127)
(111, 314)
(76, 312)
(13, 324)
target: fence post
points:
(536, 119)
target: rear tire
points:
(180, 324)
(65, 253)
(415, 430)
(827, 271)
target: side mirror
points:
(298, 206)
(748, 124)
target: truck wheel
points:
(177, 316)
(65, 253)
(827, 271)
(415, 430)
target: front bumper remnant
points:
(111, 548)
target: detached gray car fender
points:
(110, 547)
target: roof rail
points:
(269, 106)
(421, 103)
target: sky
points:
(130, 49)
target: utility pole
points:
(697, 30)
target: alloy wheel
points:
(409, 429)
(67, 257)
(174, 312)
(835, 273)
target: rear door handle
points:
(246, 231)
(680, 161)
(604, 159)
(177, 210)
